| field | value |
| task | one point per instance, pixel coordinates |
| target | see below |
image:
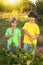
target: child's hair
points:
(32, 14)
(13, 20)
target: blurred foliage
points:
(39, 10)
(39, 7)
(24, 5)
(19, 57)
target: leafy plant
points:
(19, 57)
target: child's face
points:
(32, 19)
(14, 23)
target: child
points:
(13, 36)
(31, 33)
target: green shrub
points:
(20, 57)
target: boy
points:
(13, 36)
(31, 33)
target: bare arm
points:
(19, 42)
(31, 36)
(36, 36)
(27, 33)
(8, 36)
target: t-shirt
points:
(14, 39)
(33, 29)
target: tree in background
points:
(24, 5)
(39, 10)
(39, 7)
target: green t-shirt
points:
(14, 39)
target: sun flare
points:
(13, 1)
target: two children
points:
(31, 33)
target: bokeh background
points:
(19, 9)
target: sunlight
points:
(33, 1)
(13, 1)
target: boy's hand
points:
(29, 34)
(19, 46)
(11, 35)
(8, 36)
(33, 37)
